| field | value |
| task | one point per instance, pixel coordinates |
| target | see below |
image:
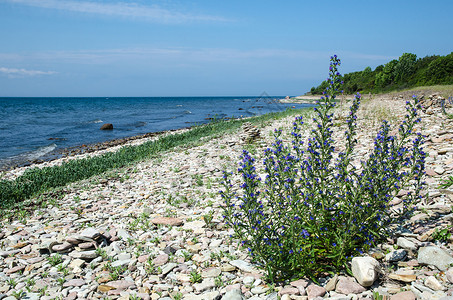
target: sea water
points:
(30, 128)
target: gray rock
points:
(435, 256)
(211, 272)
(123, 234)
(168, 267)
(84, 254)
(206, 284)
(396, 255)
(332, 283)
(90, 232)
(406, 244)
(364, 270)
(233, 295)
(272, 296)
(120, 263)
(243, 266)
(259, 290)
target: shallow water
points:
(32, 127)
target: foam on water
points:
(28, 156)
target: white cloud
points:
(152, 13)
(14, 73)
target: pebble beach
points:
(155, 230)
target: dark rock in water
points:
(107, 126)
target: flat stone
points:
(195, 226)
(120, 284)
(206, 284)
(430, 172)
(301, 282)
(21, 245)
(364, 270)
(396, 255)
(168, 267)
(243, 266)
(77, 263)
(15, 269)
(8, 253)
(119, 263)
(90, 232)
(435, 256)
(346, 286)
(86, 245)
(227, 268)
(123, 234)
(210, 272)
(403, 277)
(234, 294)
(62, 247)
(332, 283)
(71, 296)
(105, 288)
(205, 296)
(439, 170)
(289, 291)
(449, 275)
(194, 248)
(433, 283)
(84, 254)
(143, 258)
(314, 291)
(261, 289)
(408, 295)
(160, 260)
(167, 221)
(406, 244)
(74, 282)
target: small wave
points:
(28, 156)
(187, 112)
(95, 121)
(41, 151)
(179, 105)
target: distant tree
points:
(386, 77)
(405, 67)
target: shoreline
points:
(62, 153)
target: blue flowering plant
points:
(314, 208)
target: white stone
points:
(406, 244)
(364, 270)
(433, 283)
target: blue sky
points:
(205, 48)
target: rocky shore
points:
(155, 230)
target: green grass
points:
(36, 181)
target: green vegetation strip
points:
(38, 180)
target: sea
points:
(34, 128)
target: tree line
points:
(406, 72)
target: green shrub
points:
(314, 211)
